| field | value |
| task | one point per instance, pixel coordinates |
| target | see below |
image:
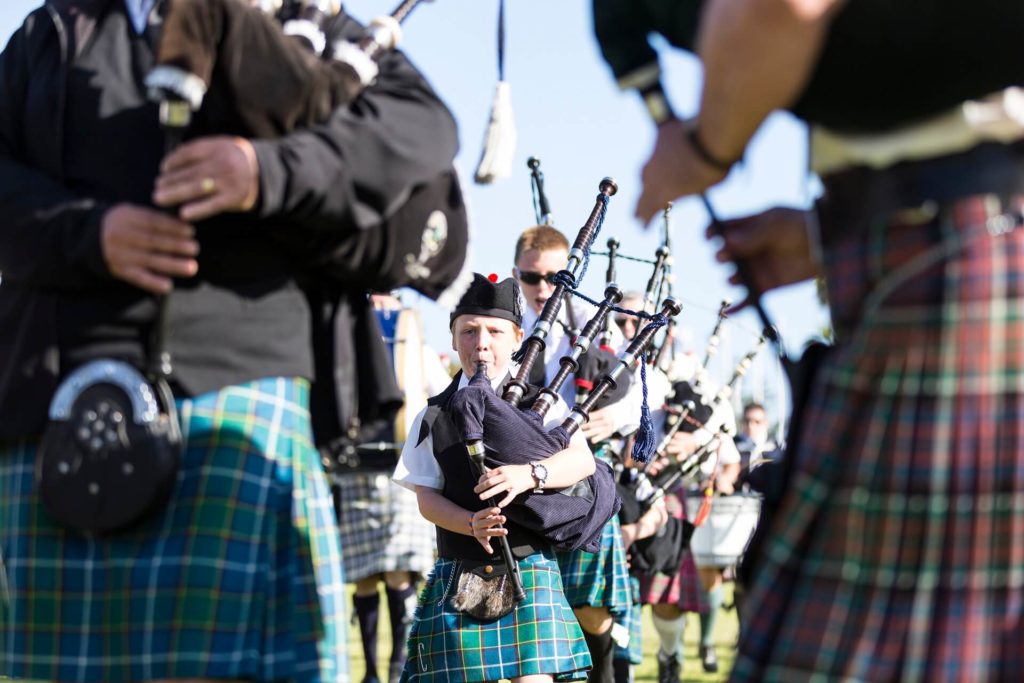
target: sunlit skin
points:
(543, 262)
(755, 425)
(483, 339)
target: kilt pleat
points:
(898, 552)
(541, 636)
(239, 577)
(381, 527)
(598, 579)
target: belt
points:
(855, 197)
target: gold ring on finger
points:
(208, 185)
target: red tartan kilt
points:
(684, 588)
(898, 552)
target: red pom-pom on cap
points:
(493, 277)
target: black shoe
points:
(370, 678)
(708, 658)
(668, 668)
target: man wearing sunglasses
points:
(596, 585)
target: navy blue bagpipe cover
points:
(571, 518)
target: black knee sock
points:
(367, 610)
(601, 655)
(623, 670)
(400, 603)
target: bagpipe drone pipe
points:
(226, 67)
(587, 362)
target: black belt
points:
(366, 457)
(855, 197)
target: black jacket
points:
(239, 319)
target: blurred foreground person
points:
(908, 444)
(229, 567)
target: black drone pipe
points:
(626, 362)
(569, 364)
(534, 347)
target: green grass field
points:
(725, 638)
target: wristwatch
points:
(540, 475)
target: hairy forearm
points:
(758, 56)
(442, 512)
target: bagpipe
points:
(589, 361)
(693, 409)
(223, 66)
(663, 552)
(571, 518)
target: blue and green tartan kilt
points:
(632, 621)
(897, 552)
(239, 577)
(598, 579)
(541, 636)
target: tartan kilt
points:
(541, 636)
(684, 589)
(898, 550)
(222, 583)
(632, 621)
(381, 527)
(598, 579)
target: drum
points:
(723, 537)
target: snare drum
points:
(723, 537)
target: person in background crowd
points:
(753, 442)
(384, 537)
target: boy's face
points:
(532, 270)
(483, 339)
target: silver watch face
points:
(540, 473)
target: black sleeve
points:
(363, 161)
(49, 236)
(622, 28)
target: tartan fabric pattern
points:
(598, 579)
(238, 577)
(898, 552)
(541, 636)
(684, 589)
(632, 621)
(381, 527)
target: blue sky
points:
(570, 114)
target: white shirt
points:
(417, 465)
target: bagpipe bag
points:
(571, 518)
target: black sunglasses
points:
(532, 277)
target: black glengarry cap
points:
(490, 298)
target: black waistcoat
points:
(459, 480)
